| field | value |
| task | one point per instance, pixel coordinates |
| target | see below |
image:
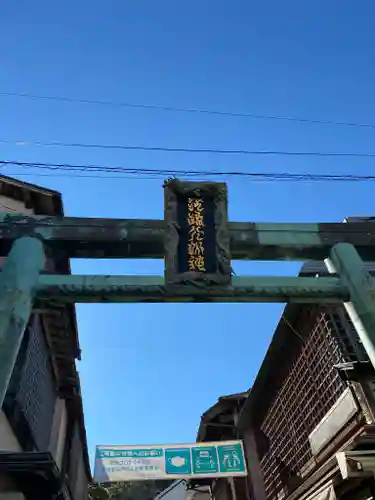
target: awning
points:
(325, 492)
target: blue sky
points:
(149, 371)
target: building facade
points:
(308, 422)
(43, 448)
(220, 423)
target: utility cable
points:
(141, 173)
(159, 107)
(250, 152)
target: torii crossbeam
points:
(197, 243)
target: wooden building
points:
(312, 398)
(43, 449)
(220, 423)
(308, 422)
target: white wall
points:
(58, 431)
(8, 441)
(80, 489)
(10, 205)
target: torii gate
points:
(197, 243)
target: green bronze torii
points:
(195, 232)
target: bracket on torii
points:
(198, 245)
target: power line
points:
(247, 152)
(119, 104)
(96, 170)
(75, 176)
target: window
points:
(30, 400)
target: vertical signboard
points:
(196, 233)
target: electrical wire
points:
(292, 328)
(141, 173)
(119, 104)
(189, 150)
